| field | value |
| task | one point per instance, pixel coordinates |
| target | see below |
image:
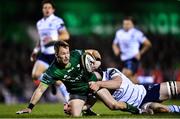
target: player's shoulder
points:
(77, 51)
(112, 70)
(137, 31)
(119, 31)
(109, 73)
(57, 19)
(39, 22)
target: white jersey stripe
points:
(130, 96)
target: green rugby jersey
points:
(74, 77)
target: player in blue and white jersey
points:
(141, 96)
(50, 28)
(127, 44)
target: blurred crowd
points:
(161, 63)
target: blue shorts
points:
(48, 59)
(131, 64)
(152, 94)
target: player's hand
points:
(34, 54)
(23, 111)
(67, 109)
(33, 57)
(138, 56)
(94, 86)
(96, 65)
(146, 111)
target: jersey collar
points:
(49, 18)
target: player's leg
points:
(112, 104)
(130, 68)
(76, 106)
(63, 91)
(169, 90)
(40, 66)
(35, 98)
(160, 108)
(38, 69)
(108, 100)
(155, 107)
(127, 72)
(87, 110)
(166, 91)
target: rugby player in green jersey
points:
(67, 68)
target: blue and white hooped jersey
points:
(128, 91)
(129, 42)
(48, 28)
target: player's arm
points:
(112, 104)
(97, 56)
(109, 84)
(64, 35)
(116, 49)
(35, 98)
(145, 46)
(115, 46)
(38, 93)
(46, 79)
(35, 51)
(95, 53)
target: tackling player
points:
(142, 96)
(67, 67)
(50, 28)
(127, 44)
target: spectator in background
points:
(127, 44)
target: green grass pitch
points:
(55, 110)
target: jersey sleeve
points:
(48, 77)
(59, 24)
(141, 38)
(113, 73)
(78, 52)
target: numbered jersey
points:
(128, 91)
(48, 29)
(73, 76)
(129, 42)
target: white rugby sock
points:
(64, 92)
(174, 108)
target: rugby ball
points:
(87, 61)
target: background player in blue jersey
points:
(50, 28)
(127, 44)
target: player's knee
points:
(36, 75)
(75, 114)
(58, 83)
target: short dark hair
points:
(131, 18)
(59, 44)
(48, 1)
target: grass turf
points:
(51, 110)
